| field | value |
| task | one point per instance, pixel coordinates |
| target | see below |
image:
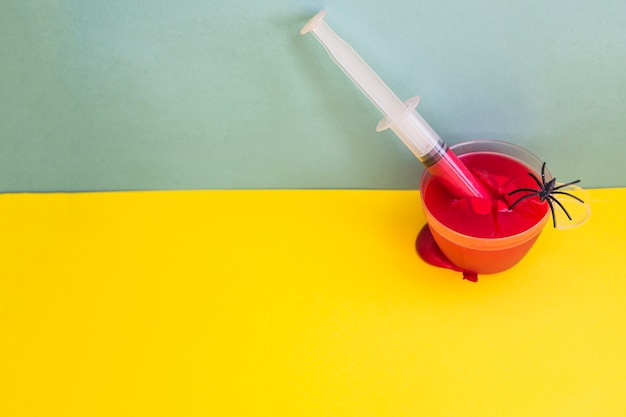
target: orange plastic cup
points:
(485, 255)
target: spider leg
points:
(534, 194)
(543, 174)
(552, 210)
(565, 185)
(534, 177)
(569, 195)
(550, 198)
(530, 190)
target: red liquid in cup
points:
(485, 236)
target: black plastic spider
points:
(546, 192)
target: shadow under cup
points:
(482, 255)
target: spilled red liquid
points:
(483, 218)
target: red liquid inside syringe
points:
(455, 176)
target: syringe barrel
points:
(415, 133)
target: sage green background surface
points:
(192, 94)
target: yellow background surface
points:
(307, 303)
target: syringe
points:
(401, 117)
